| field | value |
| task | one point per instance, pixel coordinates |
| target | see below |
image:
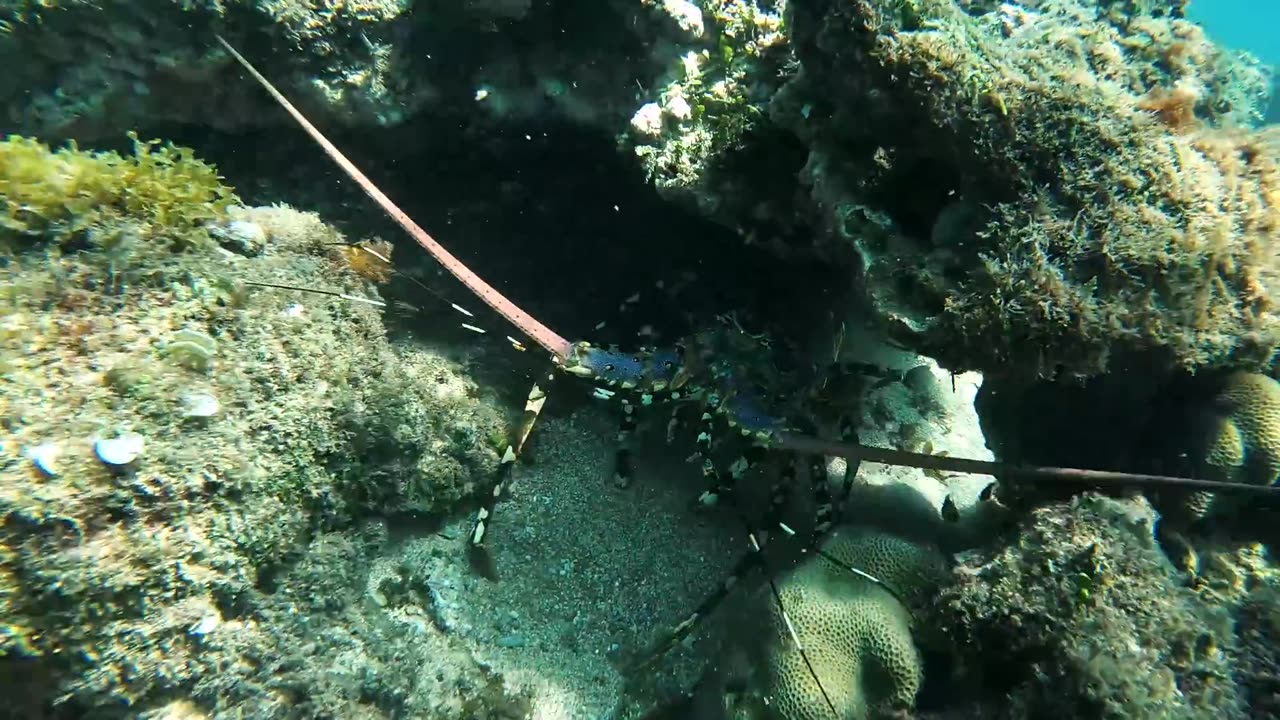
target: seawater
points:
(1252, 25)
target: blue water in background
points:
(1252, 25)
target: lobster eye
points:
(608, 367)
(668, 364)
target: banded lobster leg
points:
(641, 378)
(627, 378)
(756, 556)
(478, 552)
(632, 400)
(743, 413)
(826, 511)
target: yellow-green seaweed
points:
(61, 194)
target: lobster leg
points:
(721, 483)
(755, 557)
(623, 462)
(825, 507)
(745, 564)
(715, 482)
(481, 560)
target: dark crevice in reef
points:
(1131, 420)
(476, 41)
(25, 684)
(551, 213)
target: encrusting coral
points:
(123, 585)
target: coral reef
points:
(1097, 194)
(1082, 615)
(174, 438)
(1093, 190)
(710, 101)
(922, 414)
(1259, 664)
(315, 648)
(1215, 426)
(1047, 189)
(1033, 189)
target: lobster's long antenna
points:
(561, 349)
(810, 444)
(526, 323)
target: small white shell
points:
(206, 625)
(45, 457)
(199, 405)
(244, 237)
(119, 452)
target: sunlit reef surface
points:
(249, 424)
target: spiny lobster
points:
(690, 373)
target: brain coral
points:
(1244, 443)
(856, 631)
(1239, 441)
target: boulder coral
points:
(1243, 445)
(1236, 440)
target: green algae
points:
(65, 194)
